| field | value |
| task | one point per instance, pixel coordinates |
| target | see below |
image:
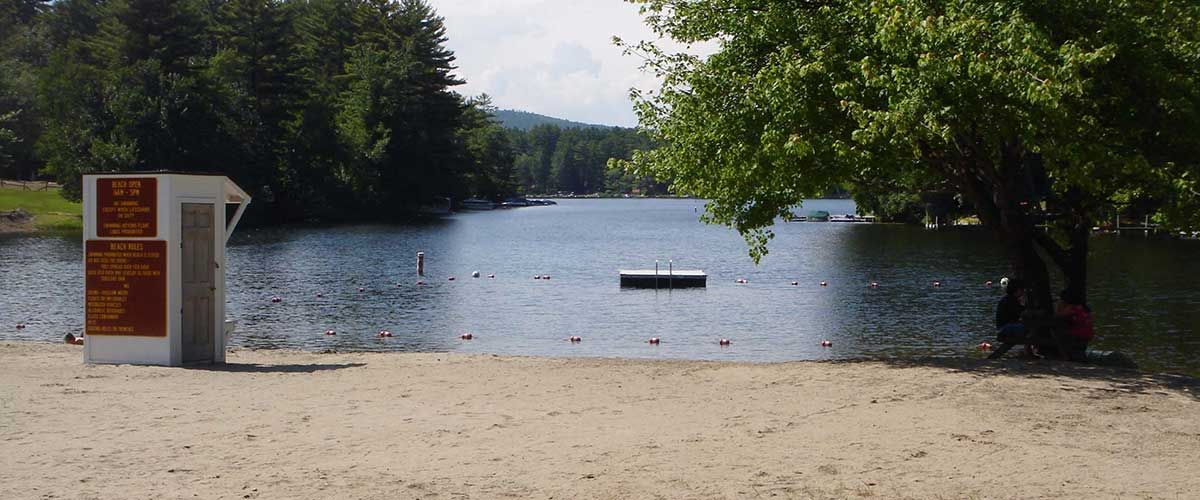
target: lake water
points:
(1144, 290)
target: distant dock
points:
(825, 217)
(649, 278)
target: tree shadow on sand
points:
(1120, 379)
(286, 368)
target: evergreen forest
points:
(324, 110)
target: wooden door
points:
(199, 283)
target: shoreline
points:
(968, 360)
(41, 210)
(293, 424)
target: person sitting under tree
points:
(1012, 319)
(1009, 327)
(1074, 327)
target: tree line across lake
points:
(323, 109)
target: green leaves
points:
(925, 96)
(8, 139)
(322, 109)
(591, 160)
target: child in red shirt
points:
(1077, 326)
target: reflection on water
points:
(1142, 289)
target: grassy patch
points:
(50, 210)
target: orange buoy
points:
(725, 342)
(576, 339)
(985, 346)
(330, 333)
(826, 343)
(466, 336)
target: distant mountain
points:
(524, 120)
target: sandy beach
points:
(283, 424)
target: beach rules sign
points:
(126, 288)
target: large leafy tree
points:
(1031, 110)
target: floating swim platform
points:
(663, 278)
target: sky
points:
(552, 57)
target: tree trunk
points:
(1005, 199)
(1075, 267)
(1028, 266)
(1074, 221)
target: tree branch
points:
(1057, 253)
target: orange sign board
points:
(127, 207)
(126, 288)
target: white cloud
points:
(553, 57)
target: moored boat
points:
(478, 204)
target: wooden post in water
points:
(671, 274)
(420, 263)
(656, 274)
